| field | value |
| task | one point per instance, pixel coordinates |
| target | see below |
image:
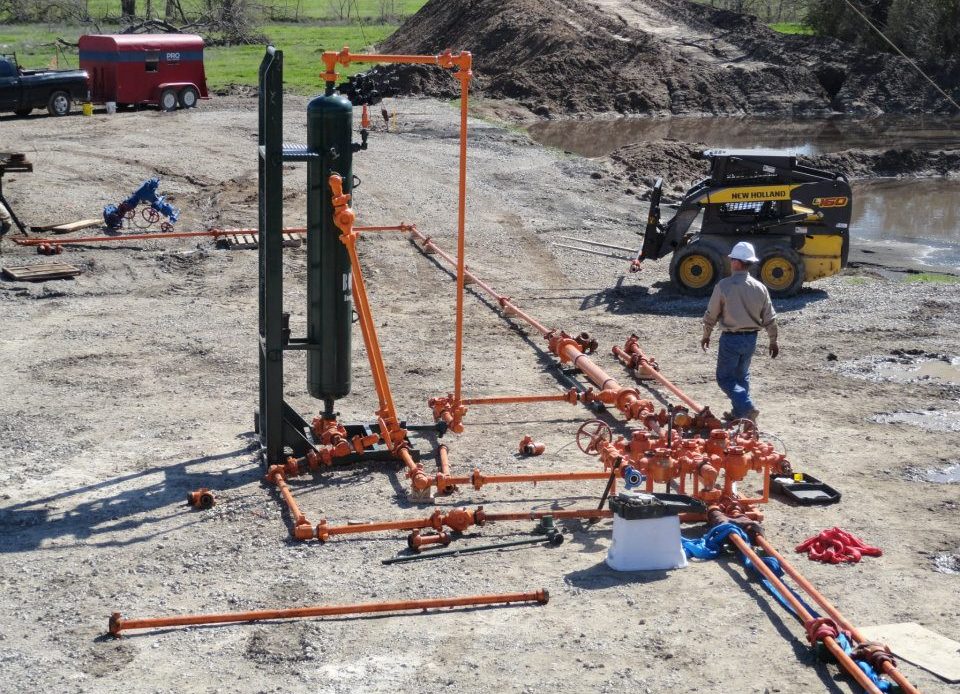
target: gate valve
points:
(660, 467)
(417, 539)
(328, 431)
(202, 499)
(447, 415)
(736, 464)
(529, 447)
(717, 442)
(459, 519)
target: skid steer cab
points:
(797, 217)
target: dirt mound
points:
(562, 57)
(680, 164)
(894, 162)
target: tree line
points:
(928, 30)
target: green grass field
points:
(301, 43)
(792, 28)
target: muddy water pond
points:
(597, 138)
(925, 212)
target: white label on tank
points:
(346, 287)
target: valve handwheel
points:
(591, 434)
(150, 215)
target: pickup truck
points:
(21, 90)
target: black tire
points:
(695, 269)
(781, 270)
(188, 97)
(23, 112)
(58, 104)
(168, 100)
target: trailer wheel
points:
(188, 97)
(59, 104)
(695, 269)
(168, 100)
(23, 112)
(781, 269)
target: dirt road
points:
(135, 383)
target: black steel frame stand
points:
(282, 430)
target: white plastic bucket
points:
(111, 107)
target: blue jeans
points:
(733, 369)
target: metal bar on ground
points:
(118, 624)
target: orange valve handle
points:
(118, 624)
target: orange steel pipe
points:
(627, 400)
(888, 668)
(446, 60)
(648, 370)
(478, 480)
(118, 624)
(835, 649)
(302, 530)
(343, 218)
(519, 399)
(464, 75)
(504, 302)
(215, 233)
(463, 62)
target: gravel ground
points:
(135, 383)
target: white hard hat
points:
(744, 252)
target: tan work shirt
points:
(740, 303)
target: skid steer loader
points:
(795, 216)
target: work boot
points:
(753, 415)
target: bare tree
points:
(339, 9)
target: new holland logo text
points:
(759, 195)
(831, 202)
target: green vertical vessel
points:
(329, 297)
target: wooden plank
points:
(39, 272)
(920, 646)
(76, 226)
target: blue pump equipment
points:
(113, 215)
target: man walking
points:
(741, 304)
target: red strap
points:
(835, 545)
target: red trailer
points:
(161, 69)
